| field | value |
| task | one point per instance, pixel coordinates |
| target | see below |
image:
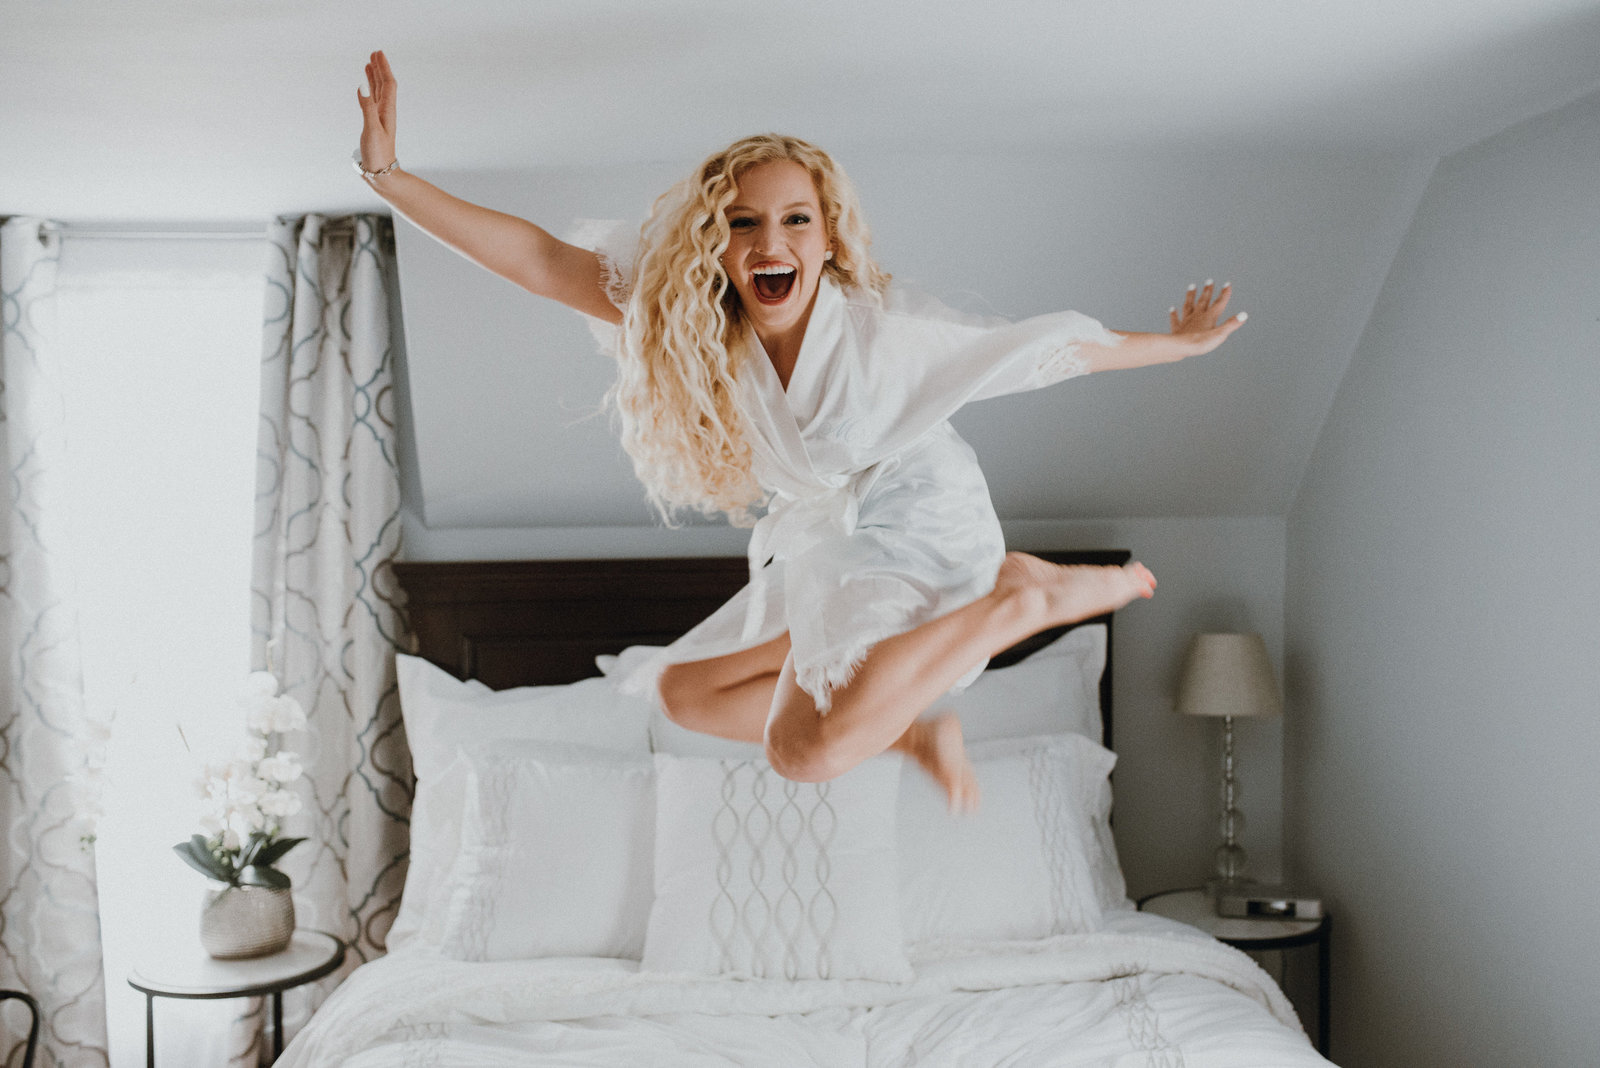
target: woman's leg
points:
(904, 674)
(732, 697)
(752, 696)
(728, 696)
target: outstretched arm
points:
(512, 248)
(1195, 330)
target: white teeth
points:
(773, 270)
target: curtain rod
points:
(67, 230)
(163, 235)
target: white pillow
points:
(555, 857)
(1055, 689)
(760, 877)
(1110, 885)
(442, 714)
(1022, 865)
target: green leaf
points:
(252, 849)
(256, 875)
(270, 855)
(202, 861)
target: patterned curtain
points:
(325, 616)
(50, 752)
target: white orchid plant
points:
(248, 797)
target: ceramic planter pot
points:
(246, 921)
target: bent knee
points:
(680, 695)
(804, 760)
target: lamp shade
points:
(1228, 675)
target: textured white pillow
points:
(442, 714)
(1055, 689)
(1022, 865)
(1111, 887)
(1110, 884)
(760, 877)
(555, 857)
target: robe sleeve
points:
(616, 242)
(1046, 353)
(979, 356)
(921, 360)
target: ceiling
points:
(203, 110)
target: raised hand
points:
(378, 114)
(1197, 320)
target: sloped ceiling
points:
(1017, 157)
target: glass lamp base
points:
(1229, 862)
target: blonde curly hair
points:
(676, 380)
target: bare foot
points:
(938, 746)
(1066, 593)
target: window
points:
(160, 344)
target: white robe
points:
(880, 519)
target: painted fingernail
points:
(1227, 285)
(1191, 287)
(1172, 311)
(1208, 281)
(1241, 317)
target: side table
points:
(309, 956)
(1195, 908)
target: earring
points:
(828, 255)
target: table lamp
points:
(1228, 675)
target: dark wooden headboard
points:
(542, 622)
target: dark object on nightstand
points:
(1197, 909)
(1253, 901)
(33, 1028)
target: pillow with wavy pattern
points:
(758, 877)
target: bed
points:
(592, 885)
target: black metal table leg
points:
(1324, 970)
(310, 956)
(277, 1024)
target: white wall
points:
(1443, 626)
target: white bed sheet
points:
(1144, 992)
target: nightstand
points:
(1195, 908)
(309, 956)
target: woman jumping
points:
(767, 367)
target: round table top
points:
(309, 955)
(1195, 908)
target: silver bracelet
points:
(355, 160)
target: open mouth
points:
(772, 283)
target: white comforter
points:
(1142, 992)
